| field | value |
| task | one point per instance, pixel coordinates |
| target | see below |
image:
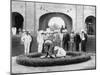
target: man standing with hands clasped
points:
(26, 39)
(84, 37)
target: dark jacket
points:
(77, 38)
(66, 38)
(86, 37)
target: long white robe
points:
(60, 52)
(40, 42)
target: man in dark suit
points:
(66, 39)
(83, 41)
(77, 41)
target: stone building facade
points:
(33, 11)
(37, 14)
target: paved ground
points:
(16, 68)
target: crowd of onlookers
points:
(56, 42)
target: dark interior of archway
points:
(17, 21)
(44, 19)
(90, 22)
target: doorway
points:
(17, 21)
(64, 18)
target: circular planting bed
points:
(33, 59)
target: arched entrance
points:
(56, 23)
(90, 23)
(17, 21)
(45, 19)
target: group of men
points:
(56, 43)
(59, 42)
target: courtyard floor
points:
(90, 64)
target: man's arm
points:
(30, 38)
(22, 38)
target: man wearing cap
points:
(26, 39)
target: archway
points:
(44, 20)
(56, 23)
(17, 21)
(90, 24)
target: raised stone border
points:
(33, 59)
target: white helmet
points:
(41, 31)
(65, 30)
(56, 48)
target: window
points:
(90, 23)
(17, 22)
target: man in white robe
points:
(40, 41)
(60, 52)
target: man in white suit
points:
(26, 39)
(40, 40)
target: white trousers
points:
(40, 46)
(26, 47)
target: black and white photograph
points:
(52, 37)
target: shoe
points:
(42, 57)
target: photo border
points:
(50, 3)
